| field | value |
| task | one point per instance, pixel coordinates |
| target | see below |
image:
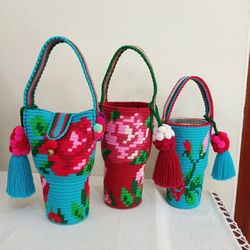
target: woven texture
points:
(62, 146)
(127, 141)
(192, 147)
(125, 148)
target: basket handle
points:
(29, 92)
(205, 92)
(112, 65)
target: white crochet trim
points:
(243, 243)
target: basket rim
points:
(127, 105)
(202, 123)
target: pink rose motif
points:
(205, 143)
(126, 135)
(140, 175)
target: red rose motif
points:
(19, 144)
(126, 136)
(178, 192)
(70, 154)
(54, 217)
(45, 187)
(220, 142)
(187, 146)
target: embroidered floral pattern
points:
(57, 217)
(140, 175)
(133, 196)
(71, 153)
(125, 136)
(81, 211)
(192, 185)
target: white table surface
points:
(151, 226)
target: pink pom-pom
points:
(19, 144)
(220, 142)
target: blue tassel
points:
(20, 181)
(223, 168)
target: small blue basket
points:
(192, 146)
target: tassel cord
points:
(209, 119)
(155, 111)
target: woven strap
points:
(112, 64)
(205, 92)
(29, 92)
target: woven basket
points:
(127, 141)
(63, 147)
(192, 146)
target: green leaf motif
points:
(169, 194)
(35, 145)
(114, 204)
(77, 211)
(134, 186)
(114, 115)
(87, 168)
(46, 166)
(126, 197)
(149, 122)
(196, 182)
(141, 159)
(39, 125)
(83, 197)
(188, 176)
(201, 150)
(59, 213)
(138, 196)
(190, 198)
(105, 152)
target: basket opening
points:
(188, 121)
(135, 105)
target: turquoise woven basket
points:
(62, 145)
(192, 146)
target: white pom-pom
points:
(168, 134)
(172, 132)
(161, 129)
(166, 126)
(159, 137)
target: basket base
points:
(123, 208)
(180, 206)
(68, 223)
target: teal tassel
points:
(223, 168)
(20, 181)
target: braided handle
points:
(112, 65)
(205, 92)
(29, 92)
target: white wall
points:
(205, 38)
